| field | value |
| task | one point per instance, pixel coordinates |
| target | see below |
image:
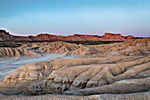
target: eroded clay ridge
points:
(114, 68)
(81, 76)
(17, 52)
(5, 36)
(134, 47)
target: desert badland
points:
(103, 71)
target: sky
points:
(66, 17)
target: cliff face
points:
(113, 37)
(5, 36)
(110, 36)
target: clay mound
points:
(81, 76)
(68, 49)
(132, 47)
(60, 48)
(128, 48)
(16, 52)
(135, 47)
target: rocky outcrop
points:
(113, 37)
(5, 36)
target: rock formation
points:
(110, 36)
(116, 68)
(80, 77)
(16, 52)
(5, 36)
(135, 47)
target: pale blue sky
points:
(63, 17)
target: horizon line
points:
(68, 33)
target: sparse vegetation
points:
(8, 44)
(17, 44)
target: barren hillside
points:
(6, 36)
(116, 68)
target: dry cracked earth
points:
(101, 72)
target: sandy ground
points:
(8, 65)
(132, 96)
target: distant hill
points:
(6, 36)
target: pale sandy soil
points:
(132, 96)
(10, 64)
